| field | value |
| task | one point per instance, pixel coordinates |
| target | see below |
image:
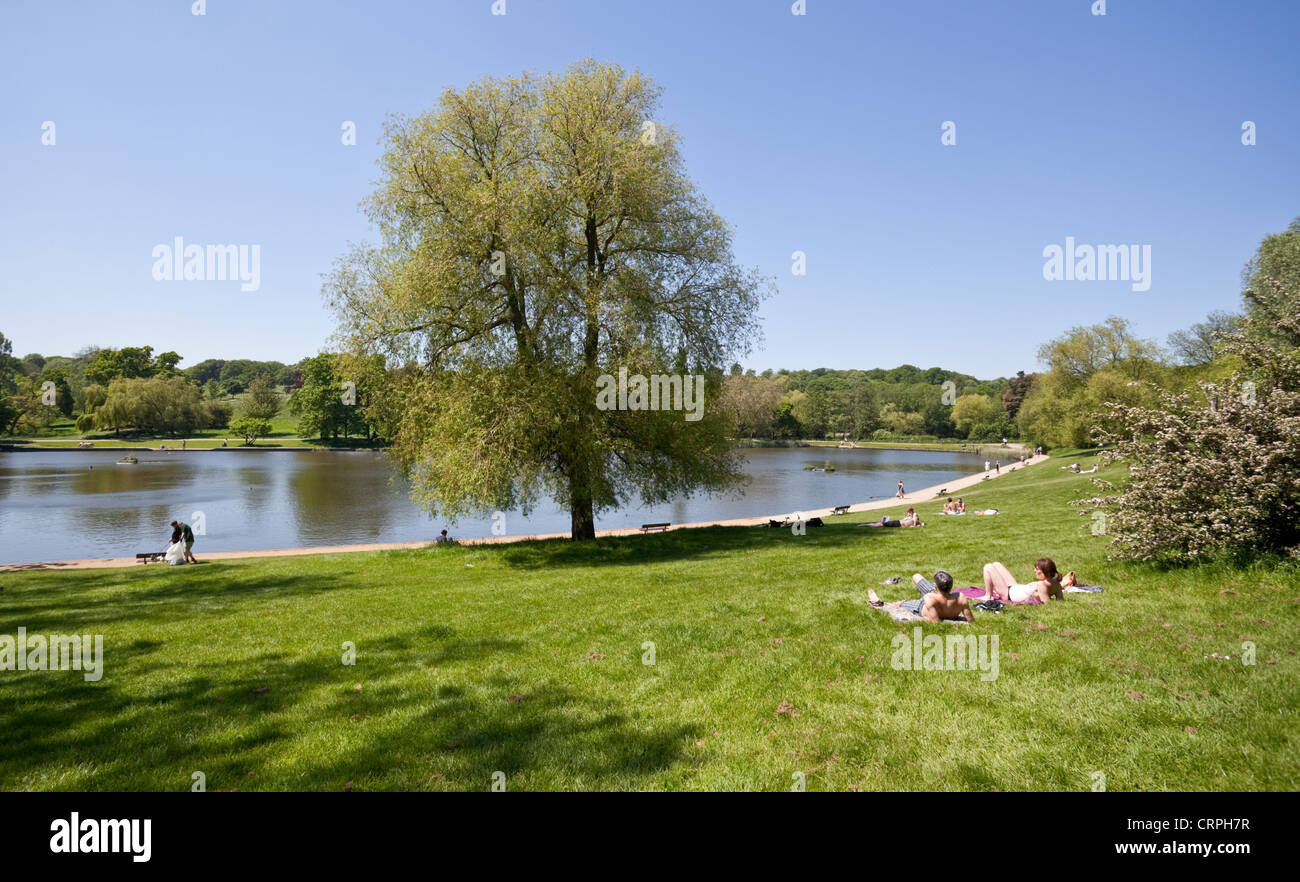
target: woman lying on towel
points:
(1000, 584)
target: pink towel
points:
(976, 593)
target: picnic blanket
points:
(976, 593)
(894, 609)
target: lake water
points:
(61, 505)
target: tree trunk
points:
(582, 518)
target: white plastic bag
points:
(175, 554)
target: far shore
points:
(916, 497)
(301, 444)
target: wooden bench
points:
(648, 528)
(145, 557)
(840, 509)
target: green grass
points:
(527, 659)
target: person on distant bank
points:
(182, 531)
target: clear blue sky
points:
(818, 133)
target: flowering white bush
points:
(1220, 471)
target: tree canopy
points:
(539, 232)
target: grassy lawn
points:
(528, 659)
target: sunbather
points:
(936, 602)
(1000, 584)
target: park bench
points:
(145, 557)
(648, 528)
(840, 509)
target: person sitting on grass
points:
(1000, 584)
(936, 603)
(950, 507)
(961, 505)
(912, 519)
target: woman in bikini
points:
(1000, 584)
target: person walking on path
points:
(899, 495)
(987, 466)
(997, 467)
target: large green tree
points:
(539, 232)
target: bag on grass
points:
(175, 554)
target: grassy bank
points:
(528, 659)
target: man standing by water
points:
(182, 531)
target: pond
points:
(74, 504)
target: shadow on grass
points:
(260, 722)
(78, 600)
(676, 545)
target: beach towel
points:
(896, 611)
(1082, 589)
(976, 593)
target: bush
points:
(250, 429)
(1218, 471)
(218, 414)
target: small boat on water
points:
(128, 460)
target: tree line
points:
(132, 389)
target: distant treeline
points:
(134, 389)
(864, 404)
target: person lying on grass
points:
(1000, 584)
(911, 519)
(936, 602)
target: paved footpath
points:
(916, 497)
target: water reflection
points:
(81, 504)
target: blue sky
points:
(818, 133)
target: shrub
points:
(1217, 471)
(250, 429)
(218, 414)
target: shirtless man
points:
(936, 602)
